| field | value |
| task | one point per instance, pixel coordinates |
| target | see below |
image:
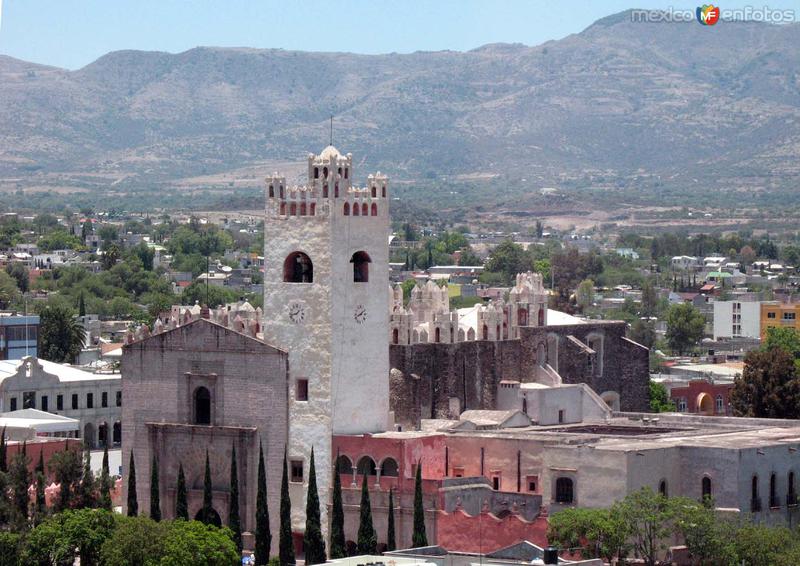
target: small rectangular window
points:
(496, 483)
(458, 472)
(119, 398)
(90, 400)
(560, 416)
(74, 401)
(301, 392)
(770, 315)
(532, 481)
(104, 399)
(29, 400)
(59, 403)
(296, 467)
(13, 403)
(44, 403)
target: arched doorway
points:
(210, 518)
(102, 433)
(117, 435)
(202, 406)
(89, 438)
(705, 404)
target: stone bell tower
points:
(326, 273)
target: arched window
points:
(497, 333)
(374, 210)
(346, 209)
(102, 432)
(437, 336)
(366, 466)
(541, 316)
(364, 210)
(336, 190)
(395, 336)
(360, 261)
(325, 190)
(344, 465)
(346, 172)
(339, 171)
(755, 503)
(271, 191)
(374, 191)
(202, 406)
(283, 209)
(389, 468)
(117, 435)
(356, 209)
(791, 494)
(281, 191)
(293, 209)
(316, 172)
(313, 209)
(706, 487)
(522, 317)
(720, 404)
(303, 209)
(298, 268)
(773, 495)
(662, 488)
(564, 490)
(325, 172)
(383, 191)
(485, 332)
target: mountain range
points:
(664, 103)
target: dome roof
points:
(330, 152)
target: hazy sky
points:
(72, 33)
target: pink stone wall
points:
(485, 532)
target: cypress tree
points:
(338, 548)
(263, 534)
(285, 544)
(3, 452)
(390, 537)
(155, 494)
(419, 537)
(367, 538)
(181, 504)
(133, 503)
(105, 482)
(40, 510)
(86, 496)
(234, 522)
(20, 481)
(207, 512)
(81, 306)
(313, 542)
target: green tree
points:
(133, 502)
(104, 499)
(181, 503)
(600, 533)
(643, 332)
(783, 338)
(234, 522)
(659, 398)
(649, 299)
(769, 386)
(707, 536)
(111, 255)
(40, 505)
(61, 337)
(108, 233)
(367, 537)
(136, 541)
(66, 469)
(650, 521)
(81, 306)
(313, 542)
(10, 544)
(685, 327)
(263, 534)
(391, 543)
(20, 274)
(67, 536)
(86, 488)
(207, 513)
(584, 294)
(338, 548)
(285, 543)
(192, 542)
(20, 479)
(8, 290)
(155, 492)
(507, 260)
(419, 537)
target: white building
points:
(94, 399)
(737, 319)
(684, 262)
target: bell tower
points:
(326, 257)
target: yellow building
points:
(782, 315)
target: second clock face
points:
(360, 314)
(297, 313)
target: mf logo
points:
(708, 14)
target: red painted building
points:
(702, 397)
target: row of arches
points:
(342, 173)
(367, 466)
(299, 209)
(774, 501)
(298, 267)
(363, 210)
(102, 435)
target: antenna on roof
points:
(331, 130)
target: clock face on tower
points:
(297, 313)
(360, 314)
